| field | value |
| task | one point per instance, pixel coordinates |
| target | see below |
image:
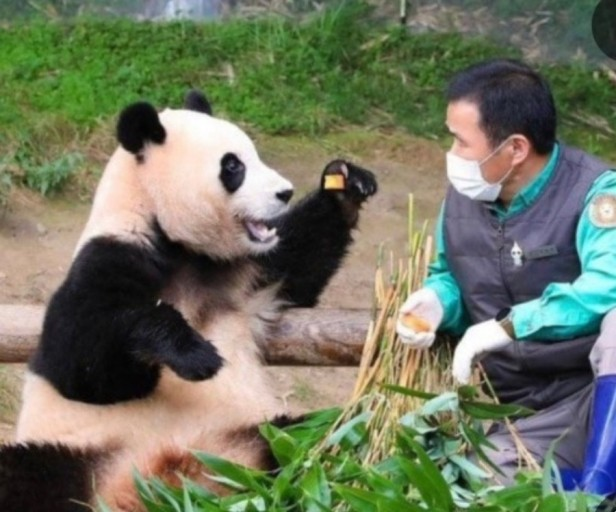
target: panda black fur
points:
(149, 347)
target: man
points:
(526, 270)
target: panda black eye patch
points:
(232, 172)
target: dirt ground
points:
(37, 238)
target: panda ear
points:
(196, 100)
(139, 124)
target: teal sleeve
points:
(441, 280)
(569, 310)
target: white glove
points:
(479, 338)
(423, 303)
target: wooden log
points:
(318, 337)
(303, 336)
(20, 328)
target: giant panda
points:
(149, 347)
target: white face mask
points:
(467, 178)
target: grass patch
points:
(281, 76)
(60, 81)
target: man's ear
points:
(520, 148)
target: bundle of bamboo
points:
(388, 366)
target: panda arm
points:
(105, 336)
(315, 235)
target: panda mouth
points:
(258, 231)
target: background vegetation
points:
(61, 81)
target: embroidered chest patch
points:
(603, 211)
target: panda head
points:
(207, 187)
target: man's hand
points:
(424, 304)
(479, 338)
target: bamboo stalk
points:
(385, 360)
(525, 457)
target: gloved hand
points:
(423, 303)
(479, 338)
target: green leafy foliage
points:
(60, 80)
(48, 177)
(6, 182)
(279, 75)
(322, 469)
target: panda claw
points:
(360, 183)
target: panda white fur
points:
(149, 347)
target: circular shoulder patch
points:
(603, 211)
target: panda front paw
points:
(195, 360)
(355, 183)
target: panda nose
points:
(285, 195)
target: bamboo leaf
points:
(197, 491)
(360, 500)
(390, 467)
(410, 392)
(417, 423)
(387, 504)
(550, 470)
(488, 411)
(142, 486)
(316, 487)
(593, 502)
(467, 392)
(282, 489)
(477, 441)
(343, 467)
(485, 508)
(240, 475)
(553, 503)
(172, 496)
(101, 505)
(188, 504)
(384, 486)
(427, 478)
(284, 447)
(313, 427)
(151, 491)
(429, 488)
(363, 500)
(350, 431)
(513, 498)
(466, 465)
(580, 502)
(247, 504)
(446, 402)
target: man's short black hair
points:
(511, 98)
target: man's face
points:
(471, 143)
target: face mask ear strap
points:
(495, 150)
